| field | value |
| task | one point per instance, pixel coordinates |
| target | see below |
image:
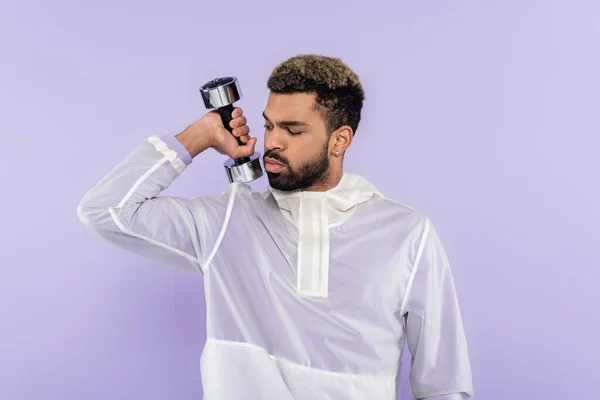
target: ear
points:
(340, 140)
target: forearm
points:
(193, 143)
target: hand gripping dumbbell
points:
(221, 93)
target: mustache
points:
(276, 157)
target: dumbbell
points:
(221, 93)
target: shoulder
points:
(394, 211)
(241, 194)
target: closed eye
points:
(291, 132)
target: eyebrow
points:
(286, 124)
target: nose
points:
(273, 140)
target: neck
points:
(330, 180)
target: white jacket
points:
(309, 295)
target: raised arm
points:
(126, 209)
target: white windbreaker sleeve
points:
(440, 366)
(125, 208)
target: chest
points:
(369, 262)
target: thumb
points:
(245, 150)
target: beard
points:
(306, 175)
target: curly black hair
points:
(338, 92)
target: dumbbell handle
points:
(225, 113)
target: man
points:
(313, 287)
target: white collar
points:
(315, 213)
(341, 200)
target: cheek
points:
(304, 156)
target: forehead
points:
(295, 106)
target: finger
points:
(239, 121)
(236, 113)
(245, 137)
(251, 143)
(247, 149)
(241, 131)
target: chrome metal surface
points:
(221, 92)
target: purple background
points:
(483, 115)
